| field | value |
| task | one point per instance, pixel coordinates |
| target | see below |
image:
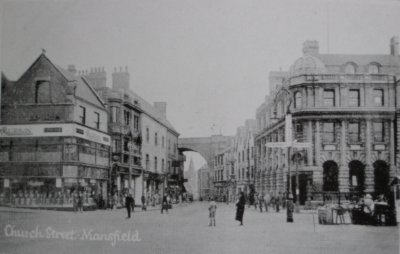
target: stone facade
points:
(53, 140)
(344, 106)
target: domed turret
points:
(307, 64)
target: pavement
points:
(185, 230)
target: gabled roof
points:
(153, 112)
(83, 90)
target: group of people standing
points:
(130, 204)
(77, 202)
(260, 200)
(264, 201)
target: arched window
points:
(298, 99)
(373, 68)
(330, 176)
(350, 68)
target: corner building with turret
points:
(344, 106)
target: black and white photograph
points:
(199, 126)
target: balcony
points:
(342, 78)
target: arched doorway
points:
(330, 176)
(357, 176)
(381, 177)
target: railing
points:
(341, 78)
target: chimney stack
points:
(394, 46)
(120, 80)
(161, 106)
(310, 48)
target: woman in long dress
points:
(240, 208)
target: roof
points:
(83, 89)
(153, 112)
(340, 59)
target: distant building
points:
(53, 139)
(204, 182)
(191, 176)
(345, 107)
(245, 157)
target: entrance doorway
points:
(330, 176)
(304, 179)
(357, 176)
(381, 177)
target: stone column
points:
(343, 167)
(369, 171)
(392, 150)
(310, 158)
(317, 146)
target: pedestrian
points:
(129, 202)
(164, 204)
(143, 199)
(212, 211)
(75, 201)
(261, 202)
(267, 200)
(278, 201)
(80, 202)
(240, 205)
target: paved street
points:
(185, 230)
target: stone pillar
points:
(343, 167)
(369, 171)
(392, 150)
(310, 158)
(317, 143)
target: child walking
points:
(212, 210)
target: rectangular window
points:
(378, 97)
(155, 163)
(113, 114)
(162, 165)
(147, 161)
(147, 135)
(329, 97)
(82, 115)
(329, 132)
(155, 139)
(163, 142)
(42, 91)
(169, 145)
(379, 131)
(127, 117)
(354, 97)
(97, 120)
(136, 122)
(354, 132)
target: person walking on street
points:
(267, 200)
(164, 204)
(212, 211)
(240, 205)
(75, 201)
(129, 203)
(143, 199)
(261, 202)
(80, 202)
(277, 202)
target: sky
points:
(208, 59)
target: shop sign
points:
(6, 183)
(14, 131)
(58, 183)
(35, 183)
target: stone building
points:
(53, 139)
(244, 151)
(345, 107)
(124, 127)
(204, 182)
